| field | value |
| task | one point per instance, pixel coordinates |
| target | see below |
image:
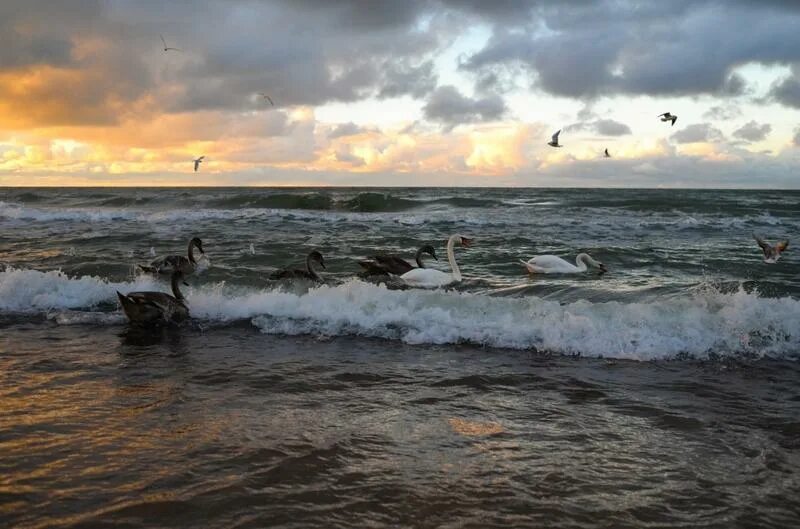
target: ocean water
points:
(665, 392)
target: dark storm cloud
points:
(752, 131)
(449, 106)
(699, 132)
(609, 47)
(787, 91)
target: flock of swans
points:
(154, 308)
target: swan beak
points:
(185, 283)
(322, 264)
(465, 242)
(603, 268)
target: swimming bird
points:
(154, 308)
(265, 96)
(167, 48)
(383, 264)
(171, 263)
(606, 154)
(666, 116)
(432, 278)
(771, 253)
(197, 163)
(551, 264)
(308, 273)
(554, 141)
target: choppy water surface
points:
(664, 393)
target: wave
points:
(702, 324)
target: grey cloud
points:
(699, 132)
(448, 105)
(787, 91)
(796, 139)
(603, 127)
(722, 113)
(752, 131)
(345, 129)
(597, 48)
(347, 157)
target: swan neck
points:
(175, 288)
(311, 271)
(191, 252)
(418, 258)
(452, 258)
(580, 261)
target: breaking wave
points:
(704, 323)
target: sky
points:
(400, 93)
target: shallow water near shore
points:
(665, 393)
(106, 427)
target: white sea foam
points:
(701, 323)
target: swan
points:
(431, 278)
(308, 273)
(771, 252)
(551, 264)
(170, 263)
(153, 308)
(383, 264)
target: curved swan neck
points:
(191, 252)
(311, 271)
(452, 258)
(418, 258)
(582, 262)
(176, 279)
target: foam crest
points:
(701, 323)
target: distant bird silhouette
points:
(265, 96)
(554, 141)
(666, 116)
(771, 253)
(606, 154)
(167, 48)
(197, 163)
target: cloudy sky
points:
(400, 92)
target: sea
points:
(662, 393)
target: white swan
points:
(551, 264)
(432, 278)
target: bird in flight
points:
(666, 116)
(167, 48)
(554, 141)
(197, 163)
(265, 96)
(771, 253)
(606, 154)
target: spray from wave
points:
(708, 322)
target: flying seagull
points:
(167, 48)
(265, 96)
(606, 154)
(771, 253)
(554, 141)
(666, 116)
(197, 163)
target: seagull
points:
(265, 96)
(167, 48)
(197, 163)
(606, 154)
(666, 116)
(771, 253)
(554, 141)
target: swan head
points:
(464, 241)
(586, 258)
(198, 243)
(317, 257)
(430, 250)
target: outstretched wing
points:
(674, 119)
(555, 136)
(664, 115)
(164, 41)
(765, 247)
